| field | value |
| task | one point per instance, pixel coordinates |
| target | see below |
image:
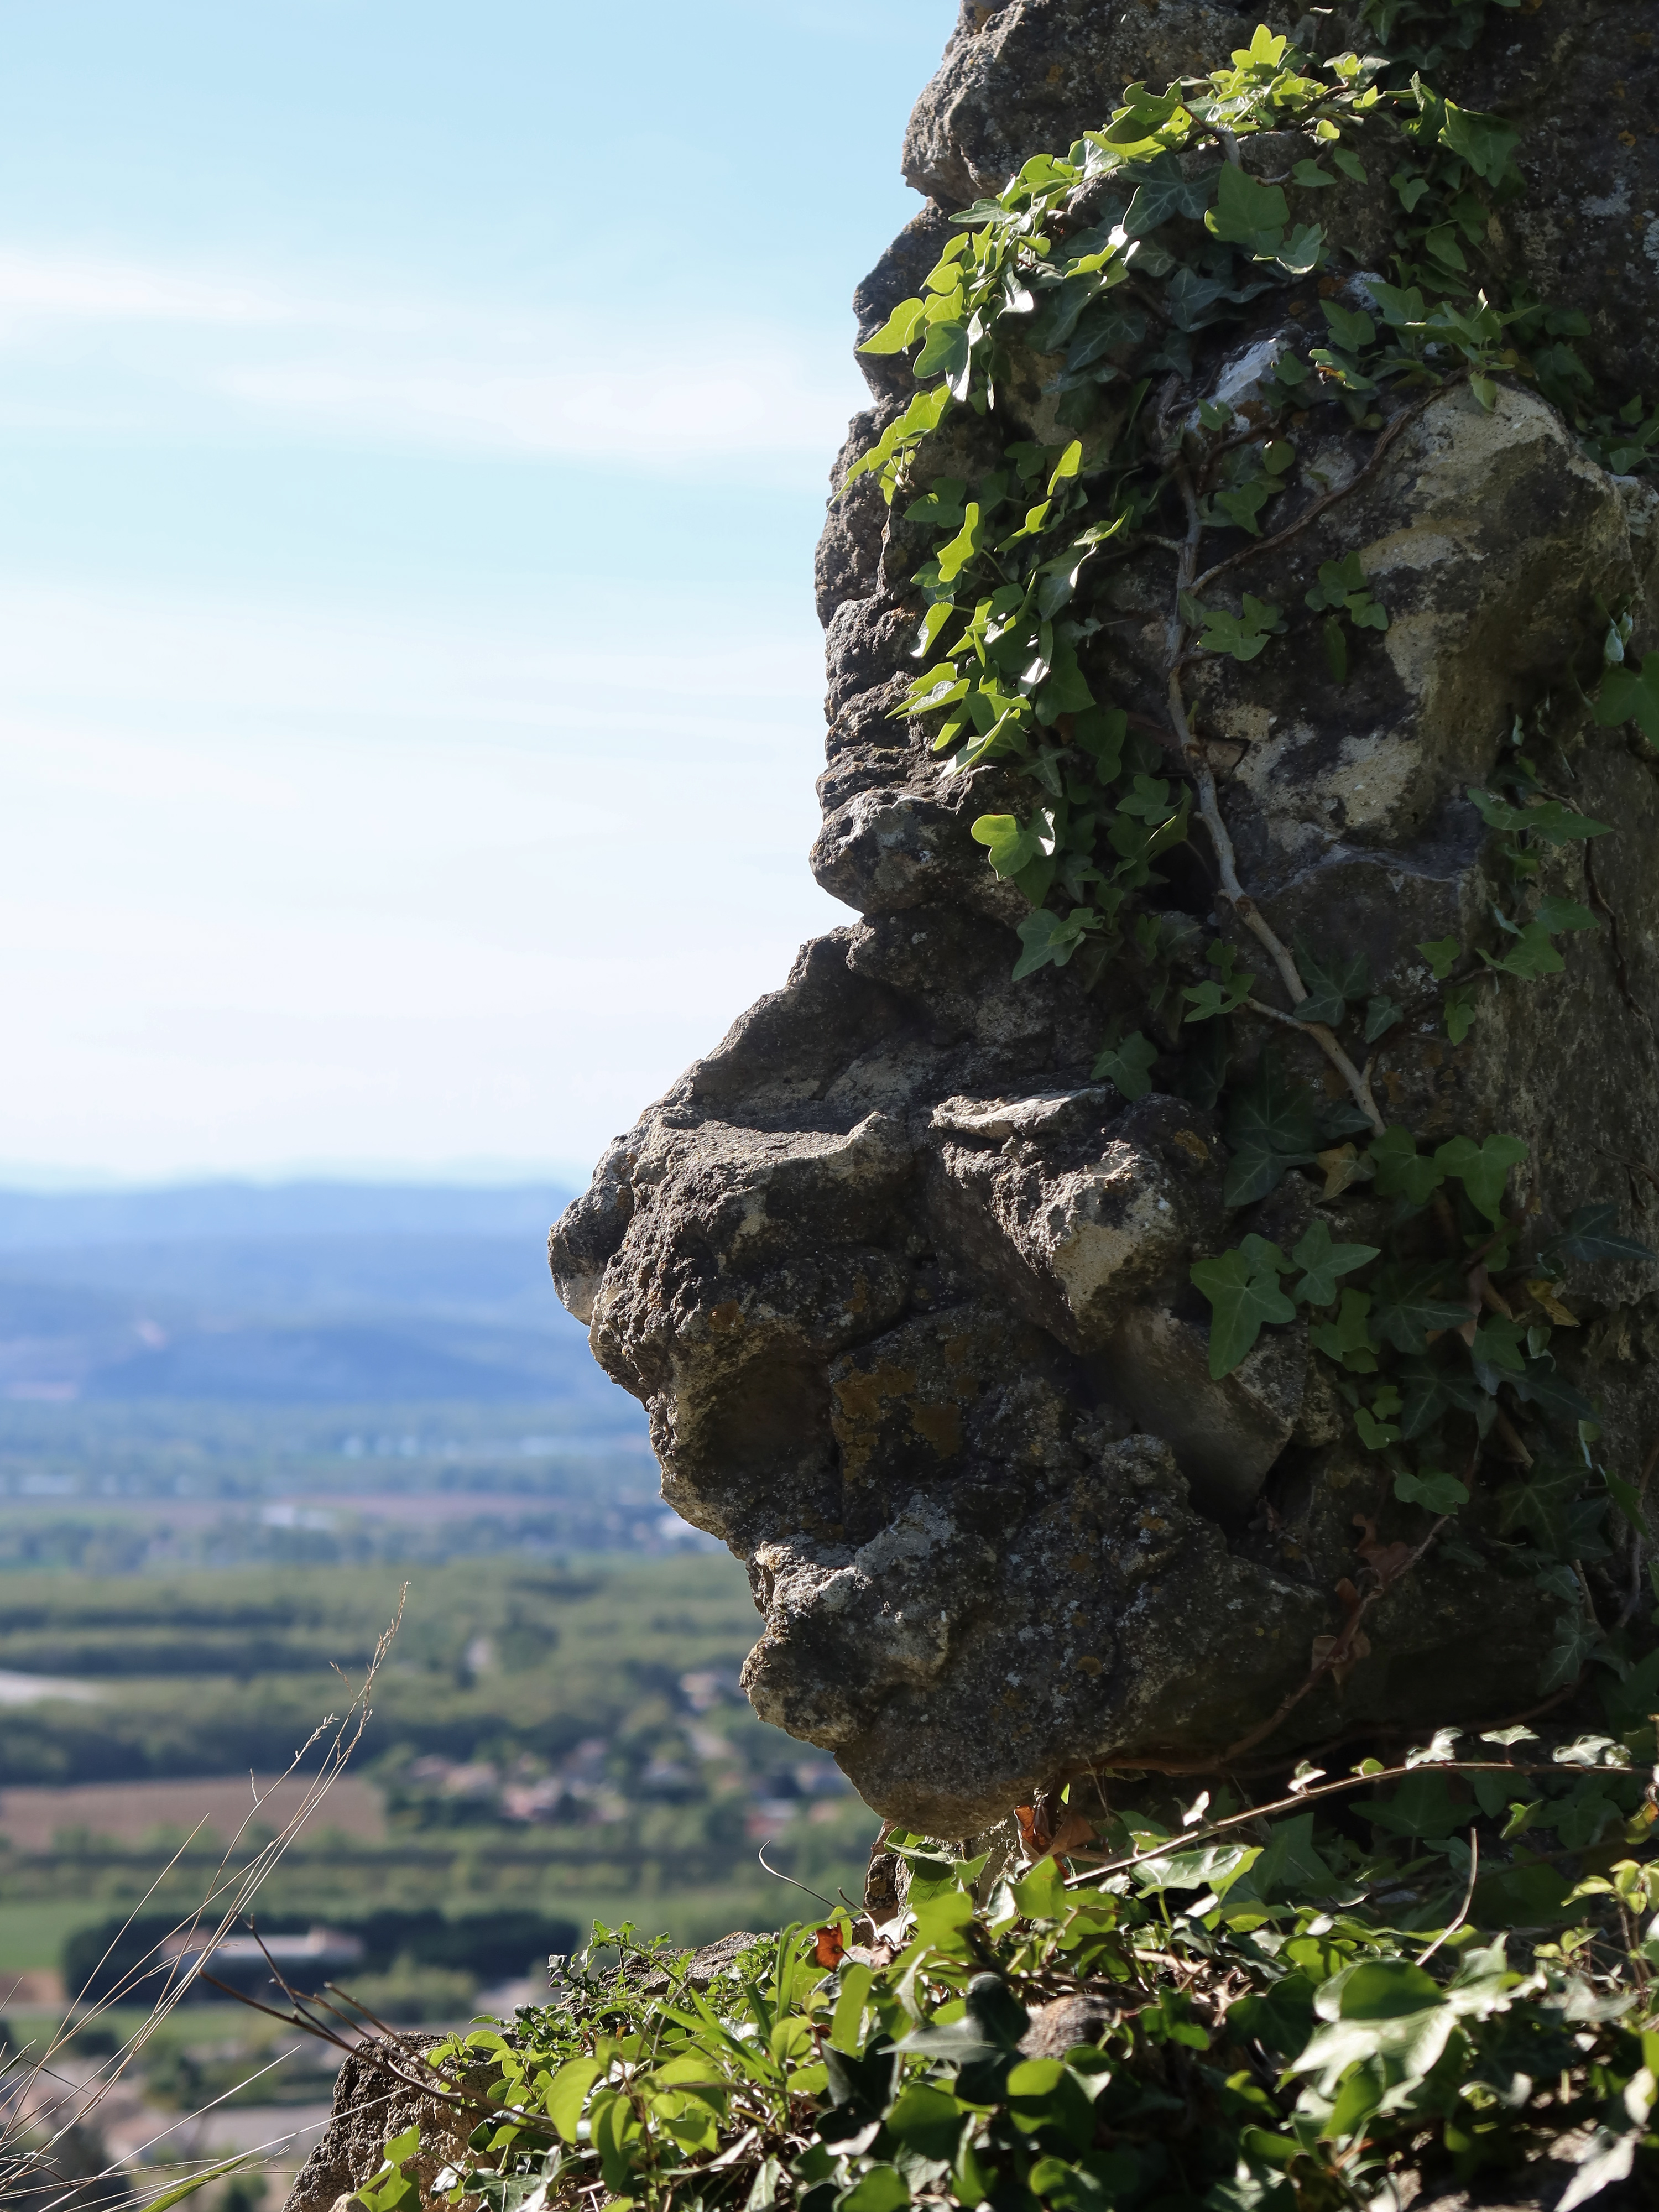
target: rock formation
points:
(906, 1288)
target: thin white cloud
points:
(135, 345)
(39, 289)
(709, 401)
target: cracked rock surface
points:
(905, 1290)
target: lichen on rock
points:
(906, 1286)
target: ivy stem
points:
(1209, 807)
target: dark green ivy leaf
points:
(1323, 1261)
(1271, 1127)
(1407, 1308)
(1538, 1503)
(1128, 1064)
(1331, 986)
(1629, 694)
(1243, 1289)
(1590, 1235)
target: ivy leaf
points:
(1244, 1296)
(1541, 1386)
(1245, 503)
(1538, 1501)
(1375, 1435)
(1571, 1652)
(1348, 1337)
(1128, 1064)
(1428, 1392)
(1164, 193)
(1012, 845)
(1330, 988)
(1459, 1007)
(1484, 142)
(1352, 331)
(1310, 176)
(1555, 823)
(1627, 695)
(1290, 1861)
(1400, 1171)
(1209, 998)
(1628, 1499)
(1406, 1309)
(1243, 635)
(1300, 253)
(1382, 1012)
(1435, 1493)
(1590, 1235)
(1441, 953)
(1532, 955)
(1558, 915)
(901, 330)
(1245, 210)
(1148, 800)
(1483, 1170)
(1337, 579)
(1497, 1344)
(946, 353)
(1271, 1127)
(1051, 939)
(1323, 1261)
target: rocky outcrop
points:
(905, 1288)
(377, 2095)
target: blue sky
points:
(413, 428)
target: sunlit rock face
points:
(905, 1291)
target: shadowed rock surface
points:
(906, 1292)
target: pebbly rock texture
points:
(905, 1291)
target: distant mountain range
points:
(308, 1293)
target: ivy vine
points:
(1113, 265)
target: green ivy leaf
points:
(1272, 1127)
(1538, 1501)
(1407, 1307)
(1324, 1261)
(1244, 1296)
(1382, 1012)
(1442, 955)
(1483, 1170)
(1590, 1235)
(1460, 1006)
(1012, 845)
(1629, 694)
(1128, 1064)
(1348, 1338)
(946, 353)
(1532, 955)
(1429, 1390)
(1331, 987)
(1243, 635)
(1354, 332)
(901, 330)
(1401, 1172)
(1244, 210)
(1559, 915)
(1051, 939)
(1555, 823)
(1485, 142)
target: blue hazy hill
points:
(306, 1293)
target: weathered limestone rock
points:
(905, 1290)
(375, 2098)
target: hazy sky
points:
(413, 428)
